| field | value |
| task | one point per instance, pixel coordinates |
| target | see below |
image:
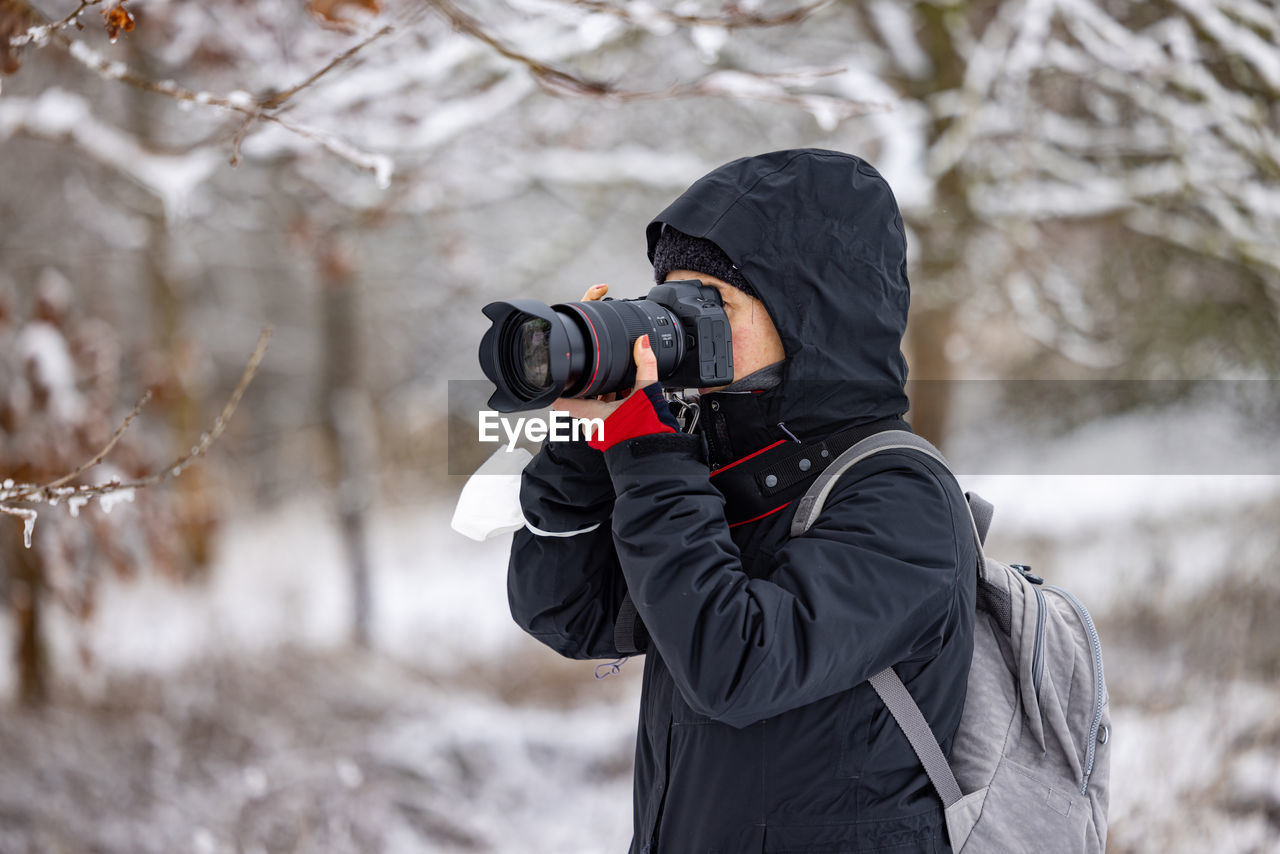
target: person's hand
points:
(573, 405)
(638, 414)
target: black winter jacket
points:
(758, 731)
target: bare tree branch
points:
(550, 77)
(743, 85)
(56, 491)
(557, 80)
(254, 108)
(101, 455)
(44, 30)
(240, 102)
(277, 100)
(220, 423)
(736, 18)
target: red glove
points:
(643, 413)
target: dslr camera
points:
(534, 353)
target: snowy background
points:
(233, 717)
(287, 649)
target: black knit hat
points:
(676, 250)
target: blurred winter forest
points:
(275, 643)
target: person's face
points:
(755, 340)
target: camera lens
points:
(533, 344)
(525, 354)
(535, 353)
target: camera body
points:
(707, 356)
(534, 353)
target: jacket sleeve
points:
(871, 584)
(564, 584)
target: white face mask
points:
(490, 501)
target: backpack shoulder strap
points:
(982, 511)
(889, 686)
(810, 506)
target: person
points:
(758, 731)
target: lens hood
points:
(497, 350)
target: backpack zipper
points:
(1037, 653)
(1099, 685)
(1037, 657)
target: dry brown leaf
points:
(343, 13)
(15, 19)
(117, 18)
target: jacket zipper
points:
(1099, 684)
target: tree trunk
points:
(930, 374)
(938, 284)
(348, 418)
(30, 653)
(180, 390)
(943, 232)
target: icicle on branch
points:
(57, 490)
(28, 517)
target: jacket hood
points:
(819, 236)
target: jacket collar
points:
(735, 424)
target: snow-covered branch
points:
(734, 16)
(277, 100)
(743, 85)
(545, 48)
(62, 116)
(263, 107)
(39, 32)
(550, 77)
(13, 496)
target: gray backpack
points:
(1029, 768)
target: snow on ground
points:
(1172, 789)
(279, 578)
(264, 733)
(231, 716)
(310, 752)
